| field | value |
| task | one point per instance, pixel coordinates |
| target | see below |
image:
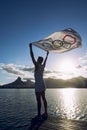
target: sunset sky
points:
(26, 21)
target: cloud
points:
(83, 59)
(28, 69)
(26, 72)
(10, 72)
(81, 68)
(59, 74)
(12, 69)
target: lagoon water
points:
(18, 106)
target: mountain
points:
(18, 83)
(79, 82)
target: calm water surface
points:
(18, 106)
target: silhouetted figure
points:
(39, 81)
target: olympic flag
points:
(61, 41)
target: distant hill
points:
(18, 83)
(79, 82)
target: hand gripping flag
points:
(60, 42)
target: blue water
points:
(18, 106)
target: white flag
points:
(61, 41)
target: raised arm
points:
(32, 55)
(46, 59)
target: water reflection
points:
(68, 104)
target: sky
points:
(26, 21)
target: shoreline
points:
(56, 123)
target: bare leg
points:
(44, 101)
(38, 98)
